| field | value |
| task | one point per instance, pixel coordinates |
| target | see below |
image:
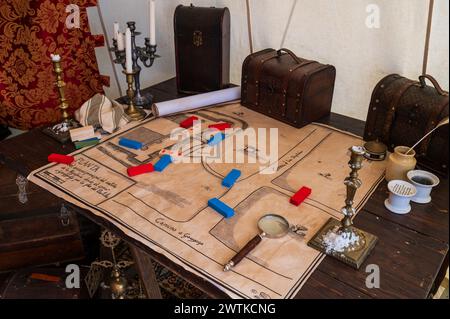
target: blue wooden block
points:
(130, 144)
(231, 178)
(222, 208)
(163, 162)
(216, 139)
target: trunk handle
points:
(292, 54)
(423, 84)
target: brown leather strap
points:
(423, 84)
(302, 87)
(252, 56)
(432, 123)
(372, 118)
(259, 67)
(288, 79)
(392, 107)
(277, 55)
(291, 72)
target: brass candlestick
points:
(330, 238)
(132, 111)
(60, 84)
(60, 131)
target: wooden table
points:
(412, 252)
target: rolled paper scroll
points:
(196, 102)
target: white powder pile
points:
(338, 241)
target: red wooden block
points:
(62, 159)
(300, 196)
(139, 170)
(187, 123)
(220, 126)
(45, 277)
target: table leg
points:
(146, 272)
(440, 276)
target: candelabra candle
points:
(116, 30)
(146, 55)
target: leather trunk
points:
(283, 86)
(202, 48)
(402, 111)
(37, 232)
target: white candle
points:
(120, 42)
(152, 23)
(116, 30)
(129, 61)
(55, 57)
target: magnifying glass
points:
(271, 226)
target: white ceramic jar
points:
(424, 183)
(400, 195)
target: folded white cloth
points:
(99, 111)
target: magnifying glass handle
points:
(243, 252)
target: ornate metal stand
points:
(146, 55)
(117, 282)
(60, 131)
(132, 111)
(361, 242)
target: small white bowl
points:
(400, 196)
(424, 182)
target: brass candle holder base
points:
(135, 113)
(354, 255)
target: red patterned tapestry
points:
(31, 30)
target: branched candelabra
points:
(146, 55)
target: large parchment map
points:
(168, 211)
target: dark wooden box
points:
(35, 233)
(286, 87)
(202, 48)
